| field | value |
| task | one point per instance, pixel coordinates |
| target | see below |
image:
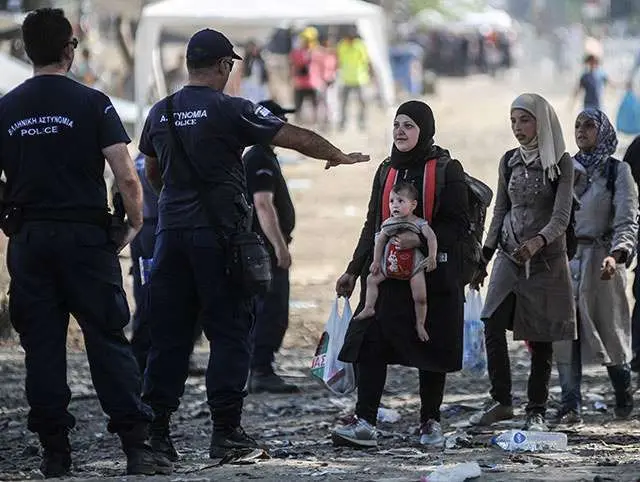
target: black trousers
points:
(58, 269)
(372, 375)
(499, 365)
(271, 321)
(189, 285)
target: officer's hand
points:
(284, 258)
(130, 234)
(353, 158)
(345, 285)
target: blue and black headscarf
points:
(606, 143)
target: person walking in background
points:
(274, 220)
(355, 75)
(592, 83)
(255, 75)
(530, 287)
(84, 72)
(329, 97)
(307, 71)
(606, 227)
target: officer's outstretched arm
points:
(129, 186)
(314, 145)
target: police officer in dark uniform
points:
(54, 137)
(274, 220)
(141, 259)
(142, 248)
(189, 279)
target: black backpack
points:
(480, 196)
(611, 170)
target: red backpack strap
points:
(429, 189)
(392, 175)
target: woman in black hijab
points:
(389, 337)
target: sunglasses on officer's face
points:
(73, 42)
(229, 62)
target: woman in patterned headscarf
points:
(606, 227)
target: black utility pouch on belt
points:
(249, 263)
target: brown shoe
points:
(493, 414)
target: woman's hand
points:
(478, 277)
(345, 285)
(431, 264)
(528, 249)
(375, 268)
(608, 268)
(406, 240)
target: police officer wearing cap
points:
(189, 279)
(54, 137)
(274, 220)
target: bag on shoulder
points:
(249, 263)
(480, 196)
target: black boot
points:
(56, 458)
(269, 382)
(621, 381)
(160, 439)
(223, 441)
(227, 432)
(141, 459)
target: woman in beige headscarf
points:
(530, 287)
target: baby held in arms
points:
(407, 264)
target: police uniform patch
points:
(262, 111)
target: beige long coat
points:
(607, 221)
(526, 207)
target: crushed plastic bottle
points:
(520, 440)
(454, 473)
(388, 415)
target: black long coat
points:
(395, 316)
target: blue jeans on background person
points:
(635, 322)
(570, 375)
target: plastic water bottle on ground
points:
(454, 473)
(388, 415)
(520, 440)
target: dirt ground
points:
(472, 121)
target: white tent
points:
(240, 20)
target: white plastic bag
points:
(474, 356)
(338, 376)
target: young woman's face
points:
(405, 133)
(523, 125)
(401, 205)
(586, 133)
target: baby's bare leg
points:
(419, 292)
(373, 281)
